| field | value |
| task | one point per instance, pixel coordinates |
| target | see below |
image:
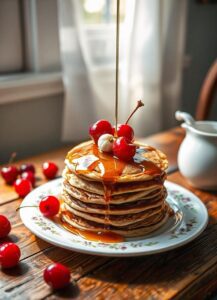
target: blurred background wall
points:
(31, 127)
(201, 51)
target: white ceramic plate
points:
(190, 220)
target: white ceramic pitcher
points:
(197, 156)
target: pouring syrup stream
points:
(117, 63)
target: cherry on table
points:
(30, 176)
(57, 275)
(99, 128)
(123, 150)
(5, 226)
(49, 206)
(126, 131)
(50, 170)
(27, 168)
(9, 255)
(10, 174)
(22, 187)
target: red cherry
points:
(99, 128)
(126, 131)
(22, 187)
(123, 150)
(57, 276)
(30, 176)
(49, 206)
(9, 174)
(27, 168)
(9, 255)
(5, 226)
(50, 170)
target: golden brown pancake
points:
(124, 208)
(115, 220)
(142, 228)
(87, 153)
(102, 193)
(90, 197)
(117, 187)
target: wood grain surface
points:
(189, 272)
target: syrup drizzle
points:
(88, 158)
(104, 236)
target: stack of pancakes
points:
(101, 193)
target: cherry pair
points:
(26, 182)
(122, 147)
(104, 127)
(9, 252)
(10, 173)
(119, 140)
(55, 275)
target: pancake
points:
(89, 197)
(117, 188)
(115, 220)
(124, 208)
(87, 155)
(129, 231)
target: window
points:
(11, 39)
(29, 50)
(102, 11)
(99, 18)
(28, 36)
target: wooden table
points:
(189, 272)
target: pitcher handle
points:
(183, 116)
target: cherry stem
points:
(13, 155)
(139, 104)
(26, 206)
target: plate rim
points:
(118, 253)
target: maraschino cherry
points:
(50, 170)
(27, 168)
(57, 276)
(10, 173)
(126, 131)
(9, 255)
(5, 226)
(49, 206)
(22, 187)
(123, 150)
(99, 128)
(29, 176)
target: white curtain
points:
(151, 53)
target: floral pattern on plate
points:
(191, 221)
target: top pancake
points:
(85, 159)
